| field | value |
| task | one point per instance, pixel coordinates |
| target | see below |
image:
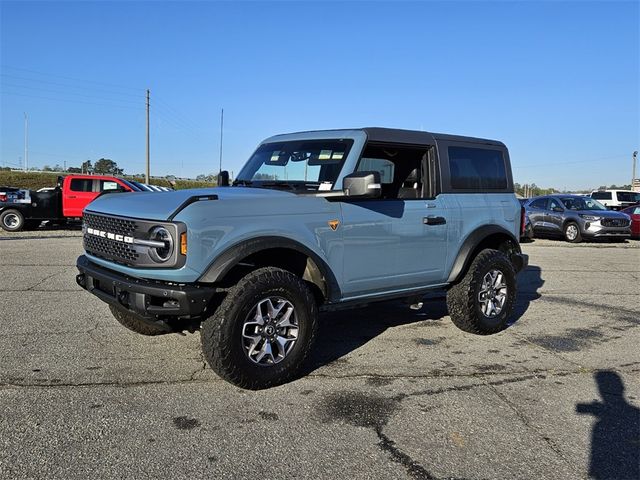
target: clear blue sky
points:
(558, 82)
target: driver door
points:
(554, 216)
(399, 241)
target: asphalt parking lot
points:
(392, 393)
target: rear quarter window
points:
(540, 203)
(81, 184)
(601, 195)
(477, 169)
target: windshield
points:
(579, 203)
(629, 197)
(305, 165)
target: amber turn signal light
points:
(183, 243)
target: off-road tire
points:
(6, 215)
(221, 333)
(139, 325)
(578, 237)
(462, 298)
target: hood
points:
(602, 213)
(161, 205)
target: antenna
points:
(221, 134)
(26, 142)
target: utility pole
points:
(221, 133)
(147, 172)
(26, 142)
(633, 175)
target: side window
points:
(477, 169)
(384, 167)
(81, 184)
(601, 195)
(553, 204)
(109, 185)
(539, 203)
(400, 167)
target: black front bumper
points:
(150, 299)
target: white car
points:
(616, 199)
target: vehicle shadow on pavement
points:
(344, 331)
(529, 282)
(615, 438)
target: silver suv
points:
(576, 217)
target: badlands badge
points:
(334, 224)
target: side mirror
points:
(223, 178)
(362, 184)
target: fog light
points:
(183, 243)
(587, 225)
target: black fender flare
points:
(471, 243)
(230, 257)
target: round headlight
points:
(161, 254)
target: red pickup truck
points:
(22, 209)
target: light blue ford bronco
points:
(314, 221)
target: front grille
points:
(120, 226)
(107, 248)
(110, 249)
(615, 222)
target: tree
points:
(86, 167)
(74, 170)
(104, 165)
(206, 178)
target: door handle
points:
(432, 220)
(71, 196)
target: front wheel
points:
(572, 232)
(484, 300)
(11, 220)
(263, 331)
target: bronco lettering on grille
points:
(109, 235)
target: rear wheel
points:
(572, 232)
(263, 331)
(11, 220)
(484, 300)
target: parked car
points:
(314, 221)
(575, 217)
(527, 231)
(616, 199)
(634, 214)
(23, 208)
(144, 187)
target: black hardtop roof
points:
(398, 135)
(418, 137)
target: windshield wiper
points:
(285, 185)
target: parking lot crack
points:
(525, 421)
(200, 369)
(41, 282)
(414, 469)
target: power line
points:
(568, 163)
(69, 100)
(47, 74)
(49, 90)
